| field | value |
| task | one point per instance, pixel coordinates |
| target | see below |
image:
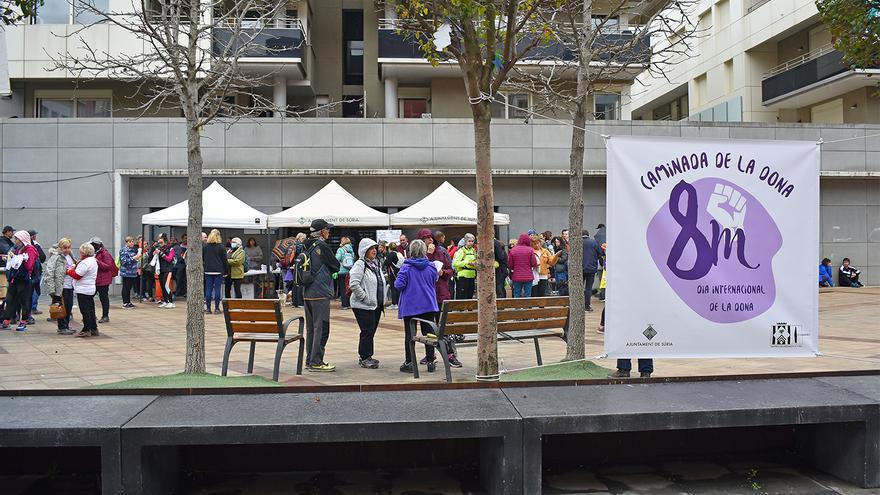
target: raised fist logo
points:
(728, 207)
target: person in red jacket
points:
(520, 261)
(107, 269)
(20, 271)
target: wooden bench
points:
(519, 319)
(260, 320)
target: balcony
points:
(283, 40)
(811, 78)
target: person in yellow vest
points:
(465, 265)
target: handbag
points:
(57, 311)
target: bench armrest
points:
(430, 323)
(302, 322)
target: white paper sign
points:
(713, 248)
(388, 235)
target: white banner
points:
(388, 235)
(713, 248)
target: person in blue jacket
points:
(418, 299)
(826, 275)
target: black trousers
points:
(148, 284)
(128, 283)
(86, 305)
(19, 296)
(165, 282)
(589, 279)
(180, 279)
(368, 321)
(464, 288)
(500, 278)
(104, 296)
(429, 349)
(230, 283)
(67, 299)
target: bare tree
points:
(487, 38)
(595, 52)
(191, 62)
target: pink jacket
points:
(106, 268)
(521, 260)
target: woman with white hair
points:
(418, 299)
(84, 275)
(236, 258)
(19, 272)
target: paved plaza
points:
(150, 341)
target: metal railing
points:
(607, 28)
(796, 62)
(756, 6)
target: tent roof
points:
(335, 205)
(220, 209)
(445, 206)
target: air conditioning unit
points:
(426, 115)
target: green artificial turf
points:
(184, 380)
(575, 370)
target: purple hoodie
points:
(416, 285)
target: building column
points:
(391, 98)
(279, 95)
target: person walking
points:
(38, 276)
(418, 299)
(367, 285)
(128, 266)
(59, 284)
(521, 260)
(216, 265)
(19, 272)
(345, 255)
(317, 293)
(235, 260)
(592, 255)
(393, 262)
(164, 253)
(107, 269)
(85, 276)
(465, 265)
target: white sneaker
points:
(170, 306)
(162, 304)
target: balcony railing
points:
(801, 72)
(262, 38)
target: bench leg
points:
(538, 351)
(251, 357)
(444, 354)
(278, 351)
(226, 352)
(299, 358)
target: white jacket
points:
(87, 269)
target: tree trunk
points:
(487, 340)
(195, 271)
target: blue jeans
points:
(645, 365)
(213, 284)
(522, 289)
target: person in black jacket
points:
(317, 294)
(38, 276)
(500, 270)
(216, 266)
(592, 257)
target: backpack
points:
(348, 259)
(302, 268)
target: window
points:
(53, 12)
(63, 108)
(607, 106)
(66, 12)
(353, 47)
(511, 106)
(84, 11)
(414, 108)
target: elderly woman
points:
(367, 285)
(418, 299)
(59, 284)
(19, 272)
(84, 275)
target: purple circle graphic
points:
(714, 243)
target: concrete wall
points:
(58, 175)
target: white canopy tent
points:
(445, 206)
(220, 209)
(335, 205)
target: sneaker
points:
(432, 366)
(322, 367)
(22, 326)
(406, 368)
(162, 304)
(644, 374)
(170, 306)
(50, 320)
(454, 362)
(368, 363)
(619, 374)
(104, 320)
(5, 324)
(589, 309)
(393, 306)
(67, 331)
(31, 321)
(94, 333)
(600, 329)
(217, 311)
(36, 312)
(424, 361)
(81, 334)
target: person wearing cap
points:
(107, 269)
(19, 269)
(38, 276)
(367, 299)
(465, 265)
(6, 241)
(318, 293)
(235, 259)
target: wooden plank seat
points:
(260, 320)
(528, 318)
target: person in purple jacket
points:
(418, 299)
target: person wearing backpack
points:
(367, 286)
(345, 255)
(107, 269)
(19, 272)
(315, 268)
(237, 260)
(393, 262)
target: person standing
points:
(235, 259)
(254, 253)
(592, 256)
(367, 286)
(298, 247)
(164, 252)
(317, 293)
(436, 253)
(59, 284)
(545, 261)
(7, 241)
(393, 262)
(465, 265)
(560, 269)
(180, 251)
(38, 276)
(85, 276)
(128, 265)
(418, 299)
(107, 269)
(624, 366)
(345, 255)
(501, 271)
(216, 266)
(521, 260)
(19, 272)
(402, 245)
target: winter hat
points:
(425, 233)
(23, 236)
(96, 241)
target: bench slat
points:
(507, 326)
(507, 303)
(254, 327)
(264, 304)
(520, 334)
(510, 314)
(264, 337)
(253, 316)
